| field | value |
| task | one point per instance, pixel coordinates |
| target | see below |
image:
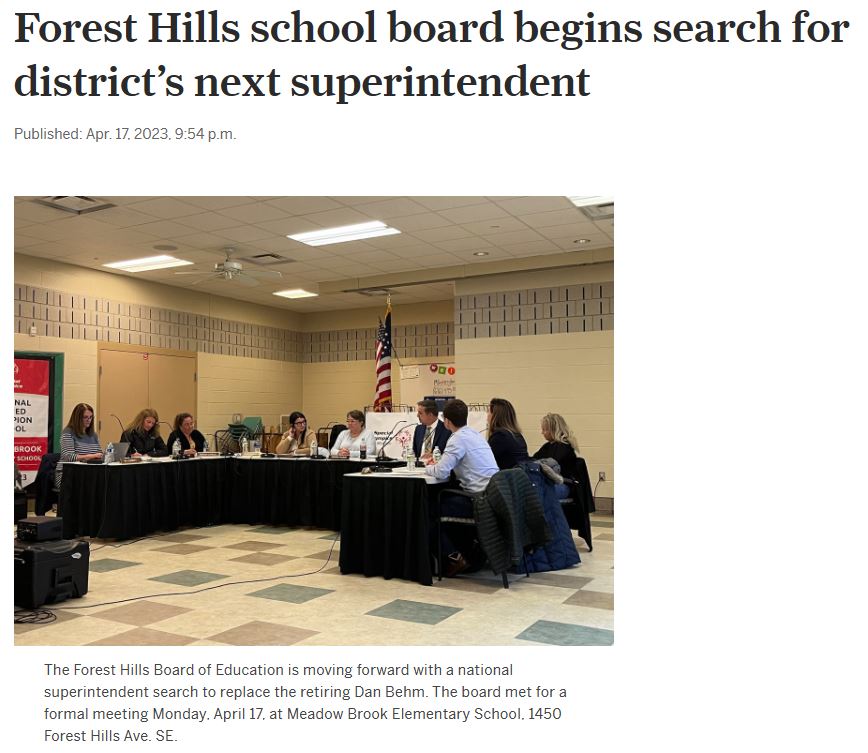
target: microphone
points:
(119, 424)
(381, 455)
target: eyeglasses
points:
(300, 423)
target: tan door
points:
(123, 391)
(132, 378)
(172, 388)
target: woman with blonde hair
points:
(561, 444)
(143, 434)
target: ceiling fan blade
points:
(242, 278)
(192, 273)
(204, 279)
(264, 273)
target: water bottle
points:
(110, 453)
(245, 445)
(176, 448)
(371, 447)
(411, 459)
(205, 446)
(436, 455)
(314, 450)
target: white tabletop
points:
(398, 473)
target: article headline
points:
(519, 28)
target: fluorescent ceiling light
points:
(295, 293)
(345, 233)
(148, 263)
(590, 201)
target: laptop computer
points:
(121, 449)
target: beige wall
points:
(423, 313)
(252, 386)
(602, 272)
(570, 374)
(70, 278)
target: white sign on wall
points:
(431, 379)
(384, 424)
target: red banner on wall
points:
(31, 414)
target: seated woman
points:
(504, 436)
(354, 437)
(191, 439)
(143, 434)
(297, 440)
(78, 442)
(510, 450)
(561, 446)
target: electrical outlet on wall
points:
(602, 475)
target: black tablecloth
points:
(288, 492)
(384, 528)
(123, 502)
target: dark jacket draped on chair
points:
(509, 518)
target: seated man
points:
(470, 457)
(430, 432)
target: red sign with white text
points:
(31, 414)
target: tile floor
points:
(241, 586)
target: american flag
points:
(383, 392)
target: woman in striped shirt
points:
(78, 441)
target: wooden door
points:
(132, 378)
(172, 387)
(122, 390)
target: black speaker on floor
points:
(50, 571)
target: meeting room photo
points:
(314, 420)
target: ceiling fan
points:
(234, 271)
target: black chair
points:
(43, 485)
(457, 520)
(580, 504)
(336, 430)
(508, 517)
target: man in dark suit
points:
(430, 432)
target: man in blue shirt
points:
(470, 457)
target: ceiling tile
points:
(437, 203)
(337, 217)
(415, 222)
(166, 207)
(243, 233)
(536, 204)
(473, 243)
(121, 217)
(559, 217)
(494, 226)
(216, 203)
(474, 213)
(451, 232)
(252, 213)
(304, 204)
(164, 229)
(208, 221)
(391, 208)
